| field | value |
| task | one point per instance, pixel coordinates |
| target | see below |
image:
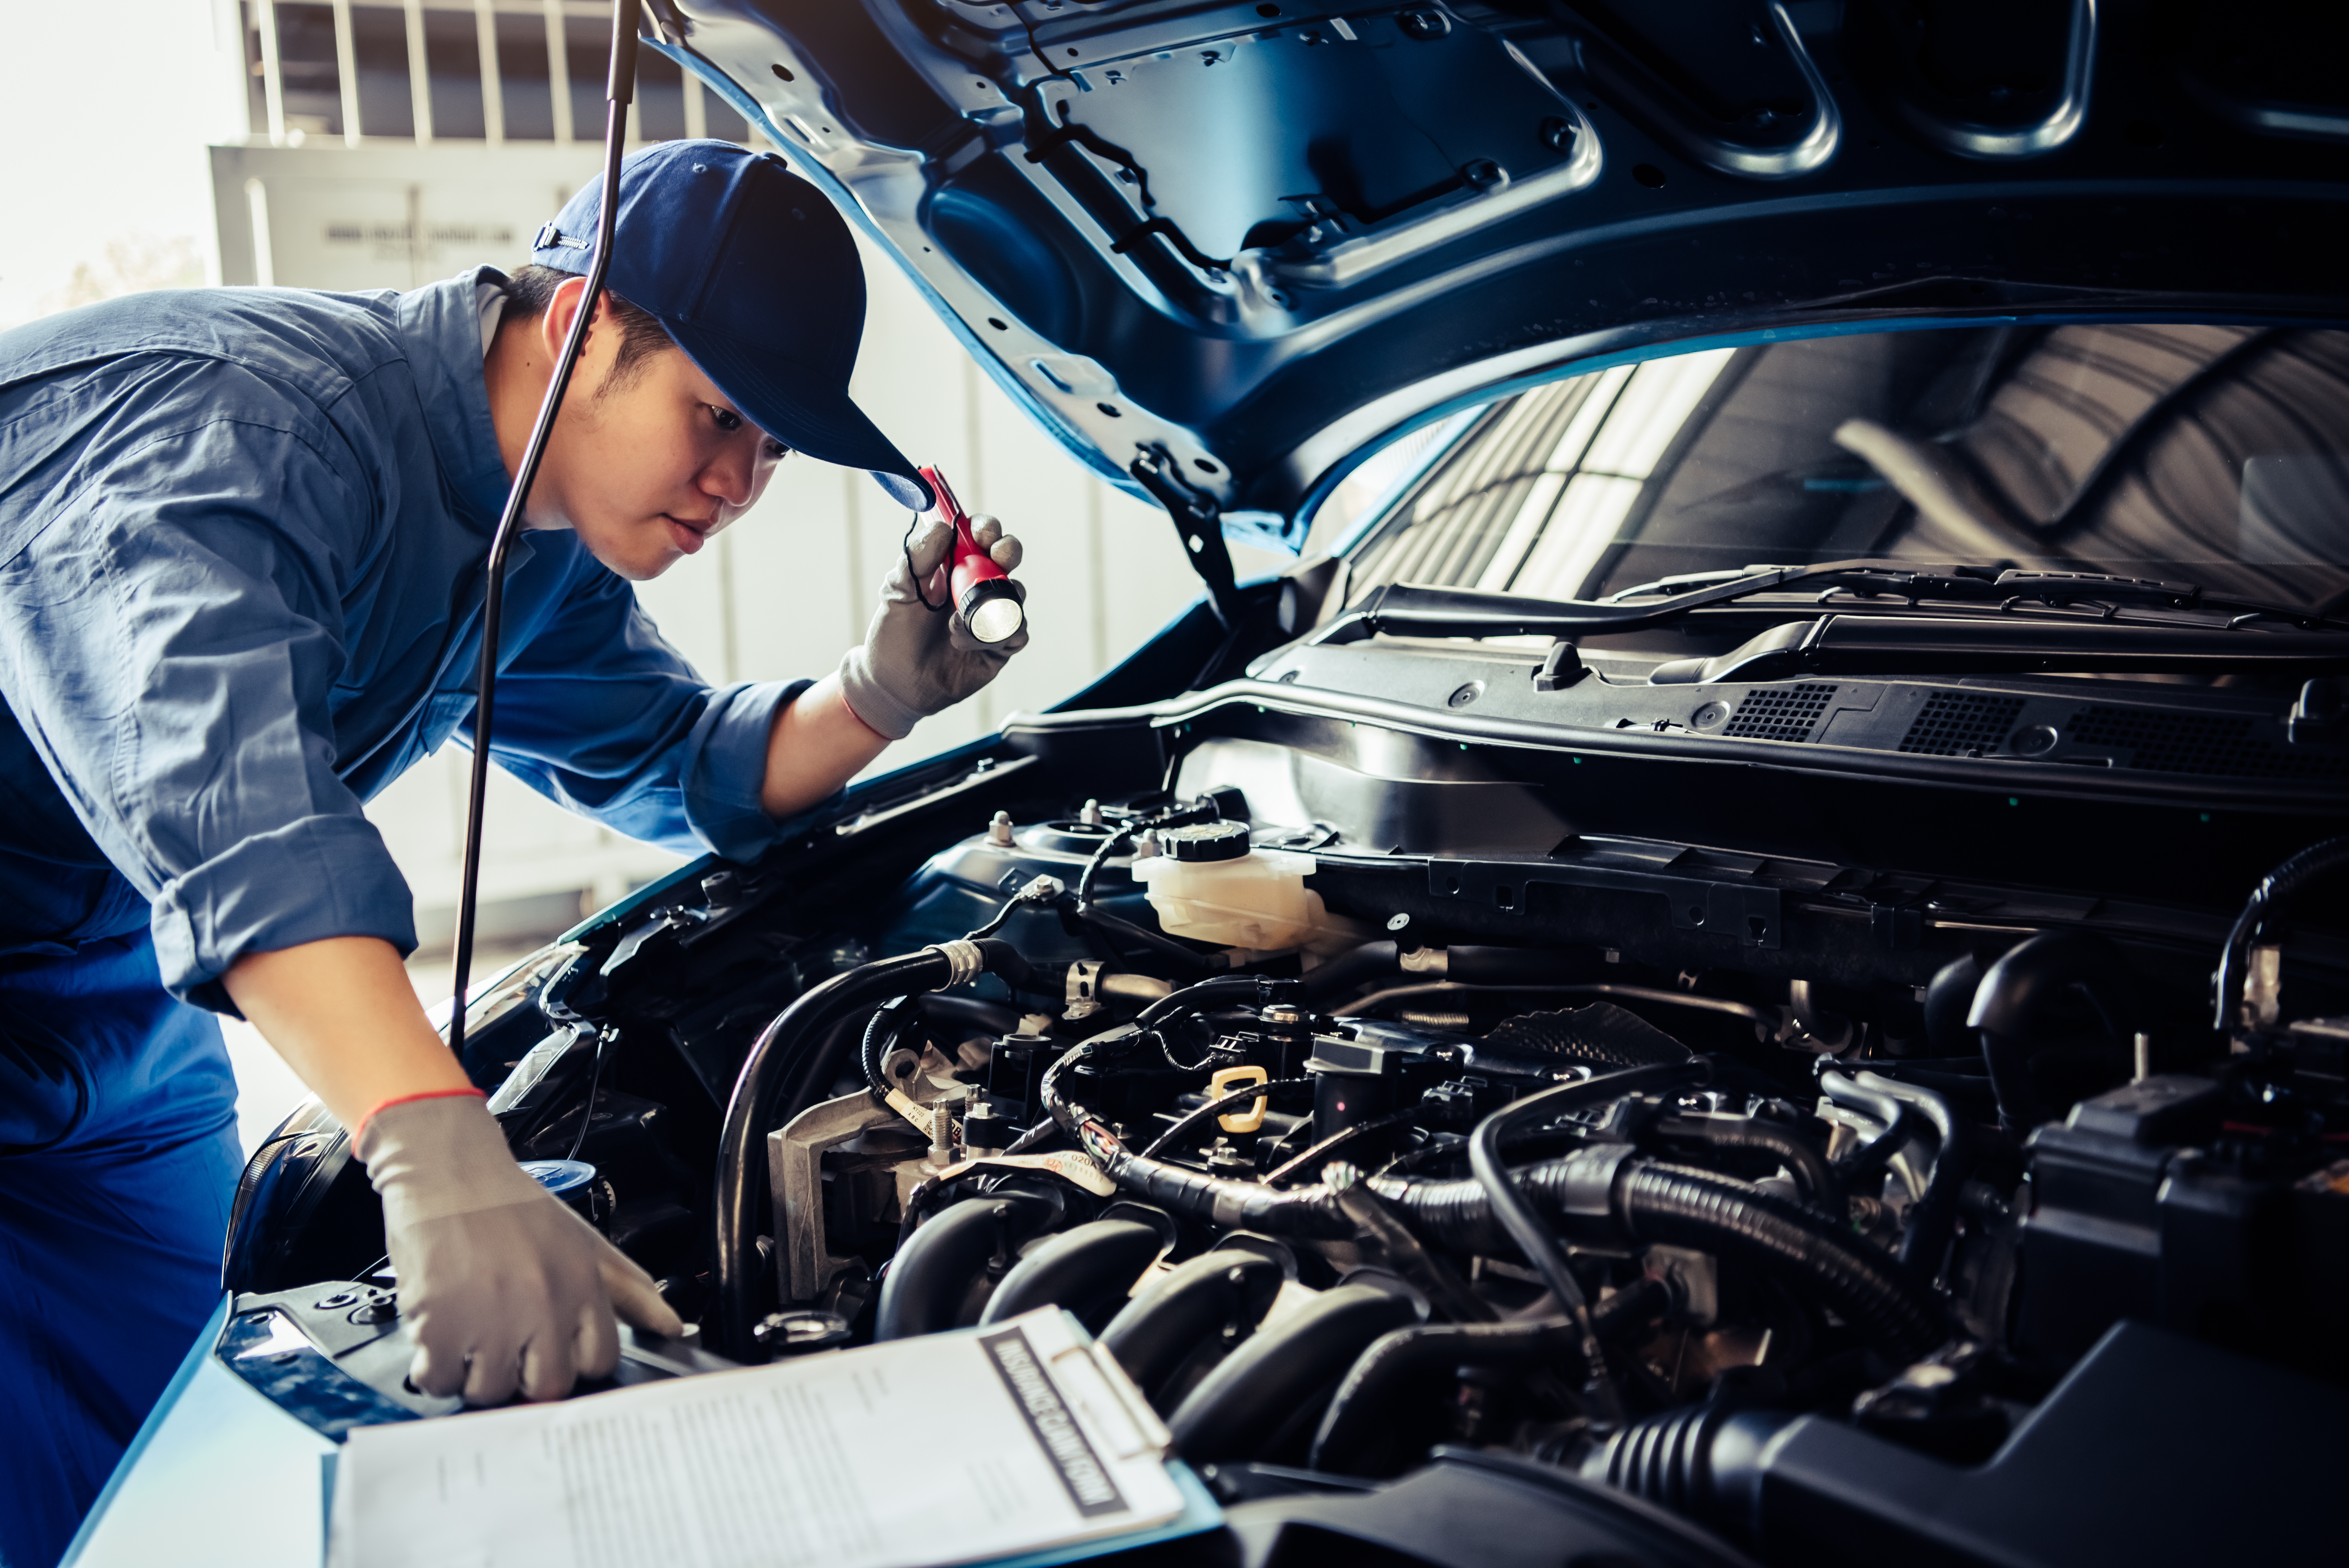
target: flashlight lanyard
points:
(950, 513)
(618, 91)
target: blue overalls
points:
(241, 538)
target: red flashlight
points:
(987, 602)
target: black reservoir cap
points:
(1204, 842)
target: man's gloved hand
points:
(914, 661)
(500, 1284)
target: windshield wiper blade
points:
(1419, 610)
(1924, 645)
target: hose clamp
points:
(965, 961)
(1587, 1189)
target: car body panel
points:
(1263, 238)
(218, 1475)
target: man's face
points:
(648, 465)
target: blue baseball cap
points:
(755, 277)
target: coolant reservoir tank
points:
(1209, 883)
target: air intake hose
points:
(2013, 1003)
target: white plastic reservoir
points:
(1209, 883)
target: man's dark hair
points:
(531, 290)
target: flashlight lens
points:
(997, 620)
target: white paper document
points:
(951, 1448)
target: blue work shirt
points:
(242, 538)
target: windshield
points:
(2207, 454)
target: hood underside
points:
(1246, 242)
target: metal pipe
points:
(1932, 1219)
(347, 72)
(1635, 992)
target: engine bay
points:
(1676, 1201)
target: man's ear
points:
(555, 326)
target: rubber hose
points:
(931, 1274)
(1360, 1414)
(887, 1019)
(2280, 885)
(1474, 966)
(1679, 1206)
(1808, 1165)
(1899, 1125)
(1702, 1461)
(1933, 1218)
(1109, 846)
(1088, 1270)
(1218, 1295)
(977, 1014)
(1948, 998)
(1266, 1390)
(1203, 995)
(1483, 966)
(1356, 967)
(1167, 947)
(759, 1092)
(819, 1068)
(1510, 1204)
(2011, 1004)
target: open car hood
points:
(1242, 243)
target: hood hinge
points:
(1200, 523)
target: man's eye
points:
(727, 421)
(778, 451)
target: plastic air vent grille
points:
(1960, 724)
(1779, 713)
(2211, 744)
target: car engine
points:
(1655, 1200)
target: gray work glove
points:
(915, 662)
(500, 1284)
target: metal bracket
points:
(673, 918)
(804, 1263)
(1199, 521)
(1749, 912)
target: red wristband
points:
(361, 1130)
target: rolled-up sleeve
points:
(597, 712)
(169, 641)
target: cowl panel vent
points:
(2220, 746)
(1961, 724)
(1779, 713)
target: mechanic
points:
(241, 537)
